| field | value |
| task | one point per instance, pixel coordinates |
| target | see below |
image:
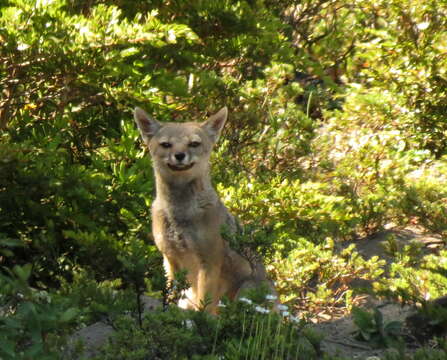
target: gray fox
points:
(187, 214)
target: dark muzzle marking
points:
(180, 167)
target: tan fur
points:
(187, 214)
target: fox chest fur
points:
(188, 223)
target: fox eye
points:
(194, 144)
(165, 145)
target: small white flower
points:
(221, 304)
(43, 3)
(423, 25)
(262, 310)
(285, 313)
(282, 307)
(85, 31)
(245, 300)
(271, 297)
(188, 323)
(294, 319)
(171, 36)
(22, 46)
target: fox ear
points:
(213, 126)
(147, 126)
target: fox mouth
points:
(181, 167)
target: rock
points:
(150, 304)
(93, 337)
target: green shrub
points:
(324, 276)
(373, 328)
(336, 129)
(30, 318)
(416, 282)
(426, 196)
(242, 329)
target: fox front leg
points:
(207, 292)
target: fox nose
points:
(180, 156)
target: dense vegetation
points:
(337, 128)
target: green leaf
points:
(69, 315)
(7, 253)
(8, 242)
(365, 335)
(129, 52)
(363, 319)
(34, 351)
(10, 323)
(8, 347)
(23, 272)
(393, 327)
(378, 318)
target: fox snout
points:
(180, 156)
(179, 161)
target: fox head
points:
(180, 151)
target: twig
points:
(349, 344)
